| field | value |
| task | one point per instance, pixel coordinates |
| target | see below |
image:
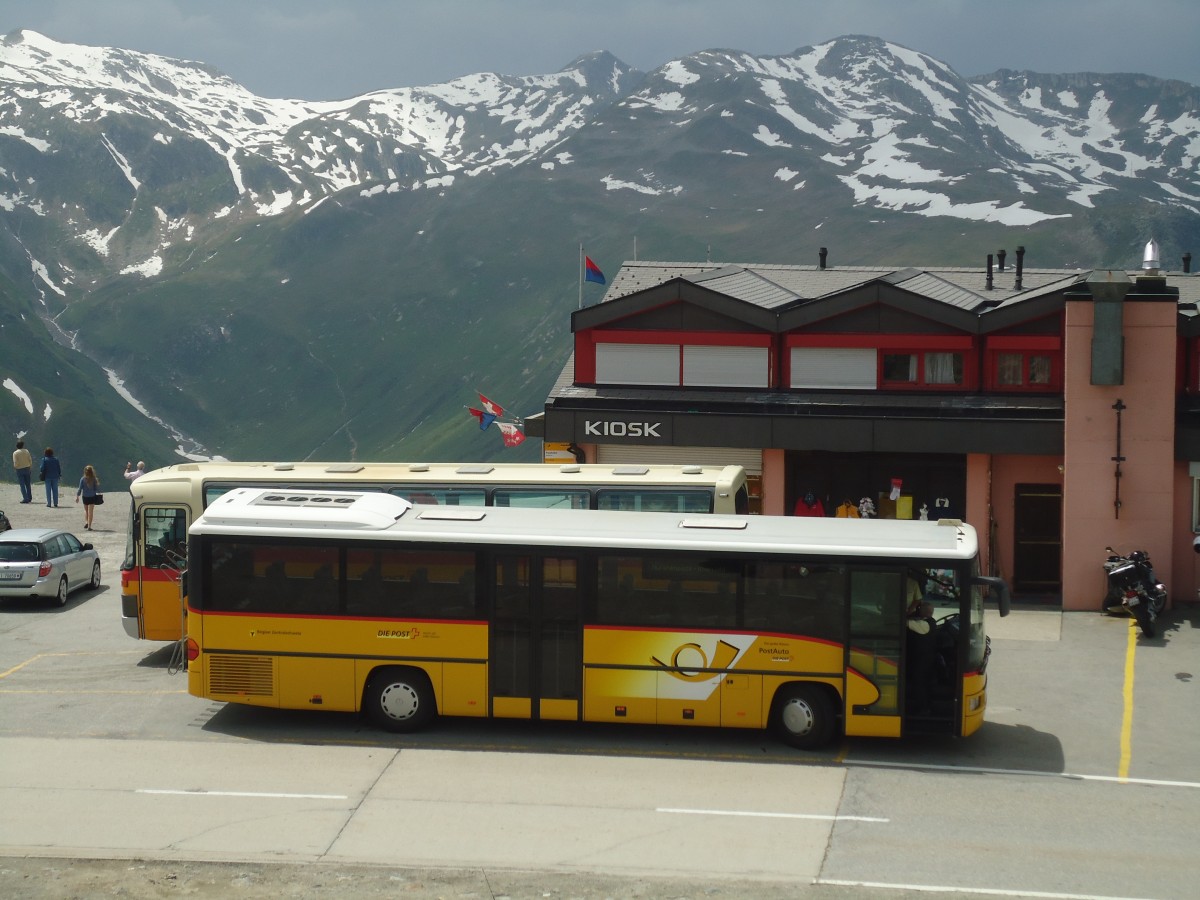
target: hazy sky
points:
(329, 50)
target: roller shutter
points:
(655, 364)
(834, 367)
(709, 366)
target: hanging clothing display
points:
(809, 505)
(847, 510)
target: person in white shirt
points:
(135, 474)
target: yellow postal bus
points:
(166, 501)
(363, 602)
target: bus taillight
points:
(193, 650)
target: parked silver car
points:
(45, 562)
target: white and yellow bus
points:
(166, 501)
(349, 601)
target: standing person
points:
(89, 488)
(23, 463)
(51, 472)
(136, 473)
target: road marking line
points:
(981, 770)
(768, 815)
(990, 892)
(19, 666)
(243, 794)
(1127, 695)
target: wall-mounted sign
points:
(643, 430)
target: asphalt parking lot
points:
(1072, 697)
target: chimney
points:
(824, 253)
(1000, 254)
(1150, 258)
(1187, 268)
(988, 285)
(1020, 268)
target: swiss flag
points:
(511, 433)
(490, 407)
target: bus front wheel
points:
(804, 716)
(399, 700)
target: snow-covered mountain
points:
(130, 182)
(191, 144)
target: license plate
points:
(11, 576)
(1132, 601)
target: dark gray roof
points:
(771, 286)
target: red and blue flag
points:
(591, 271)
(485, 419)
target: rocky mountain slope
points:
(289, 279)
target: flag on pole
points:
(591, 271)
(492, 409)
(511, 433)
(485, 419)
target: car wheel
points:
(61, 596)
(399, 700)
(95, 583)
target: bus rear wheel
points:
(399, 700)
(804, 716)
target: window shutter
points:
(710, 366)
(834, 367)
(656, 364)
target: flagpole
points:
(580, 276)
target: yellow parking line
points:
(19, 666)
(1127, 716)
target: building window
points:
(1023, 370)
(943, 368)
(847, 368)
(900, 368)
(716, 366)
(642, 364)
(926, 369)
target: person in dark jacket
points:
(922, 656)
(51, 472)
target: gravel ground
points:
(36, 879)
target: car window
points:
(70, 543)
(23, 552)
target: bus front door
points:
(536, 660)
(163, 537)
(874, 652)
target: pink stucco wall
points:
(774, 483)
(1007, 473)
(1146, 517)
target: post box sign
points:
(627, 429)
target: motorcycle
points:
(1133, 588)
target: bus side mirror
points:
(1000, 588)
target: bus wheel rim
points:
(399, 701)
(798, 716)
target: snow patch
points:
(15, 389)
(771, 139)
(35, 143)
(148, 269)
